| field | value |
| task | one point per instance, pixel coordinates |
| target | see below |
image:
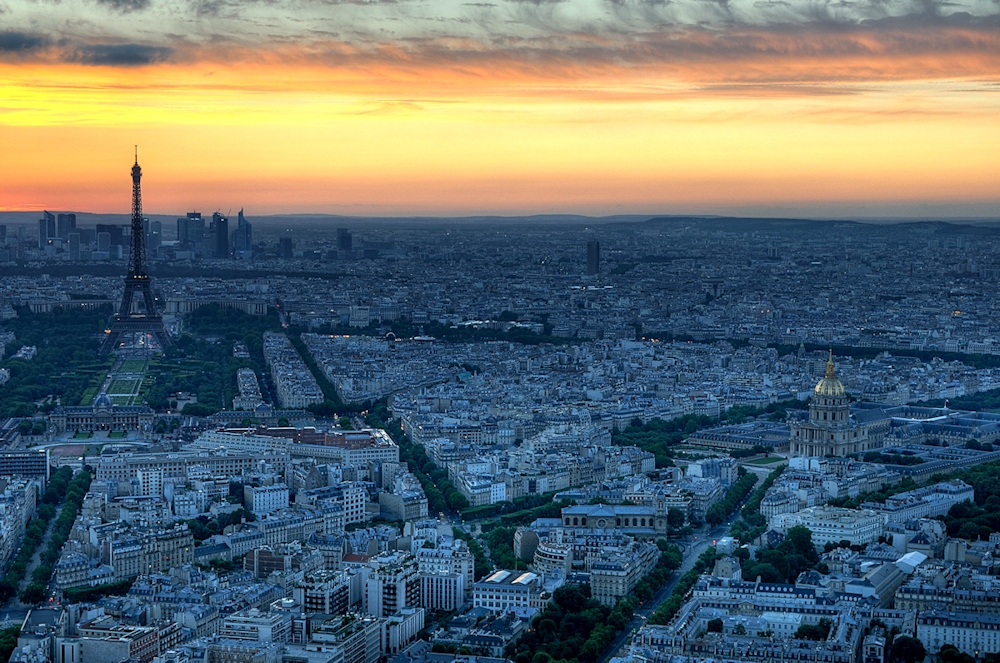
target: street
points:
(691, 554)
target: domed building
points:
(103, 415)
(832, 428)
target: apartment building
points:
(505, 590)
(833, 525)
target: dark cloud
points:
(119, 55)
(20, 42)
(210, 7)
(125, 5)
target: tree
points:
(969, 530)
(739, 629)
(715, 625)
(715, 515)
(456, 501)
(816, 632)
(34, 593)
(675, 518)
(951, 654)
(766, 572)
(571, 597)
(8, 641)
(907, 650)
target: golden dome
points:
(829, 385)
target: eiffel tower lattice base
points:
(127, 323)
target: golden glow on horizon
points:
(275, 139)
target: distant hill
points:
(984, 226)
(813, 226)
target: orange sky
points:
(593, 107)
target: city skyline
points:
(642, 440)
(508, 331)
(515, 108)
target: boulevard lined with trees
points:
(75, 491)
(577, 628)
(63, 489)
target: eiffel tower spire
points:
(146, 320)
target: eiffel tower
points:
(147, 321)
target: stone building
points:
(832, 429)
(103, 415)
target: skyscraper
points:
(50, 224)
(155, 238)
(190, 230)
(103, 242)
(196, 228)
(65, 224)
(74, 245)
(243, 237)
(593, 257)
(285, 248)
(115, 232)
(220, 225)
(345, 241)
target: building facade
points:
(832, 429)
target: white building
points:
(150, 482)
(442, 590)
(455, 558)
(925, 502)
(262, 500)
(833, 525)
(505, 590)
(258, 626)
(971, 633)
(401, 628)
(244, 441)
(394, 584)
(481, 489)
(293, 382)
(354, 499)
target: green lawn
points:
(767, 461)
(89, 396)
(117, 435)
(83, 435)
(133, 366)
(129, 387)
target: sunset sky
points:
(798, 107)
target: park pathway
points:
(109, 378)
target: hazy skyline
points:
(880, 108)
